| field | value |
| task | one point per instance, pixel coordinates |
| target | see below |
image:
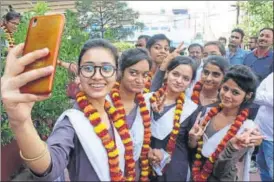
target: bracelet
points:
(35, 158)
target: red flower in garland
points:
(196, 92)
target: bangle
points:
(35, 158)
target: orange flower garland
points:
(148, 83)
(196, 92)
(202, 175)
(101, 131)
(176, 121)
(116, 99)
(9, 36)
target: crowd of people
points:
(151, 113)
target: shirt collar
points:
(256, 52)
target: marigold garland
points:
(9, 36)
(176, 121)
(101, 131)
(196, 92)
(202, 175)
(116, 99)
(148, 83)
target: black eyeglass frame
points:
(100, 71)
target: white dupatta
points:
(161, 128)
(211, 144)
(92, 144)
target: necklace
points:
(117, 102)
(101, 131)
(9, 36)
(202, 174)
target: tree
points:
(109, 18)
(258, 14)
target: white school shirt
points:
(264, 98)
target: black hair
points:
(240, 31)
(223, 38)
(98, 43)
(156, 38)
(254, 37)
(146, 37)
(219, 61)
(195, 45)
(183, 60)
(133, 56)
(245, 79)
(219, 45)
(11, 15)
(171, 49)
(266, 28)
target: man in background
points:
(223, 41)
(252, 43)
(195, 51)
(235, 54)
(142, 41)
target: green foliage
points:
(122, 46)
(107, 19)
(259, 14)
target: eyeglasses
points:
(89, 71)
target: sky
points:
(222, 17)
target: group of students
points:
(139, 117)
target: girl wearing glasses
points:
(10, 22)
(91, 139)
(127, 98)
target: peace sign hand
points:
(196, 132)
(171, 56)
(249, 138)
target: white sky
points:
(221, 22)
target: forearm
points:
(32, 146)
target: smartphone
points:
(43, 32)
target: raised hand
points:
(196, 132)
(249, 138)
(17, 105)
(171, 56)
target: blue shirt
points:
(263, 66)
(237, 58)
